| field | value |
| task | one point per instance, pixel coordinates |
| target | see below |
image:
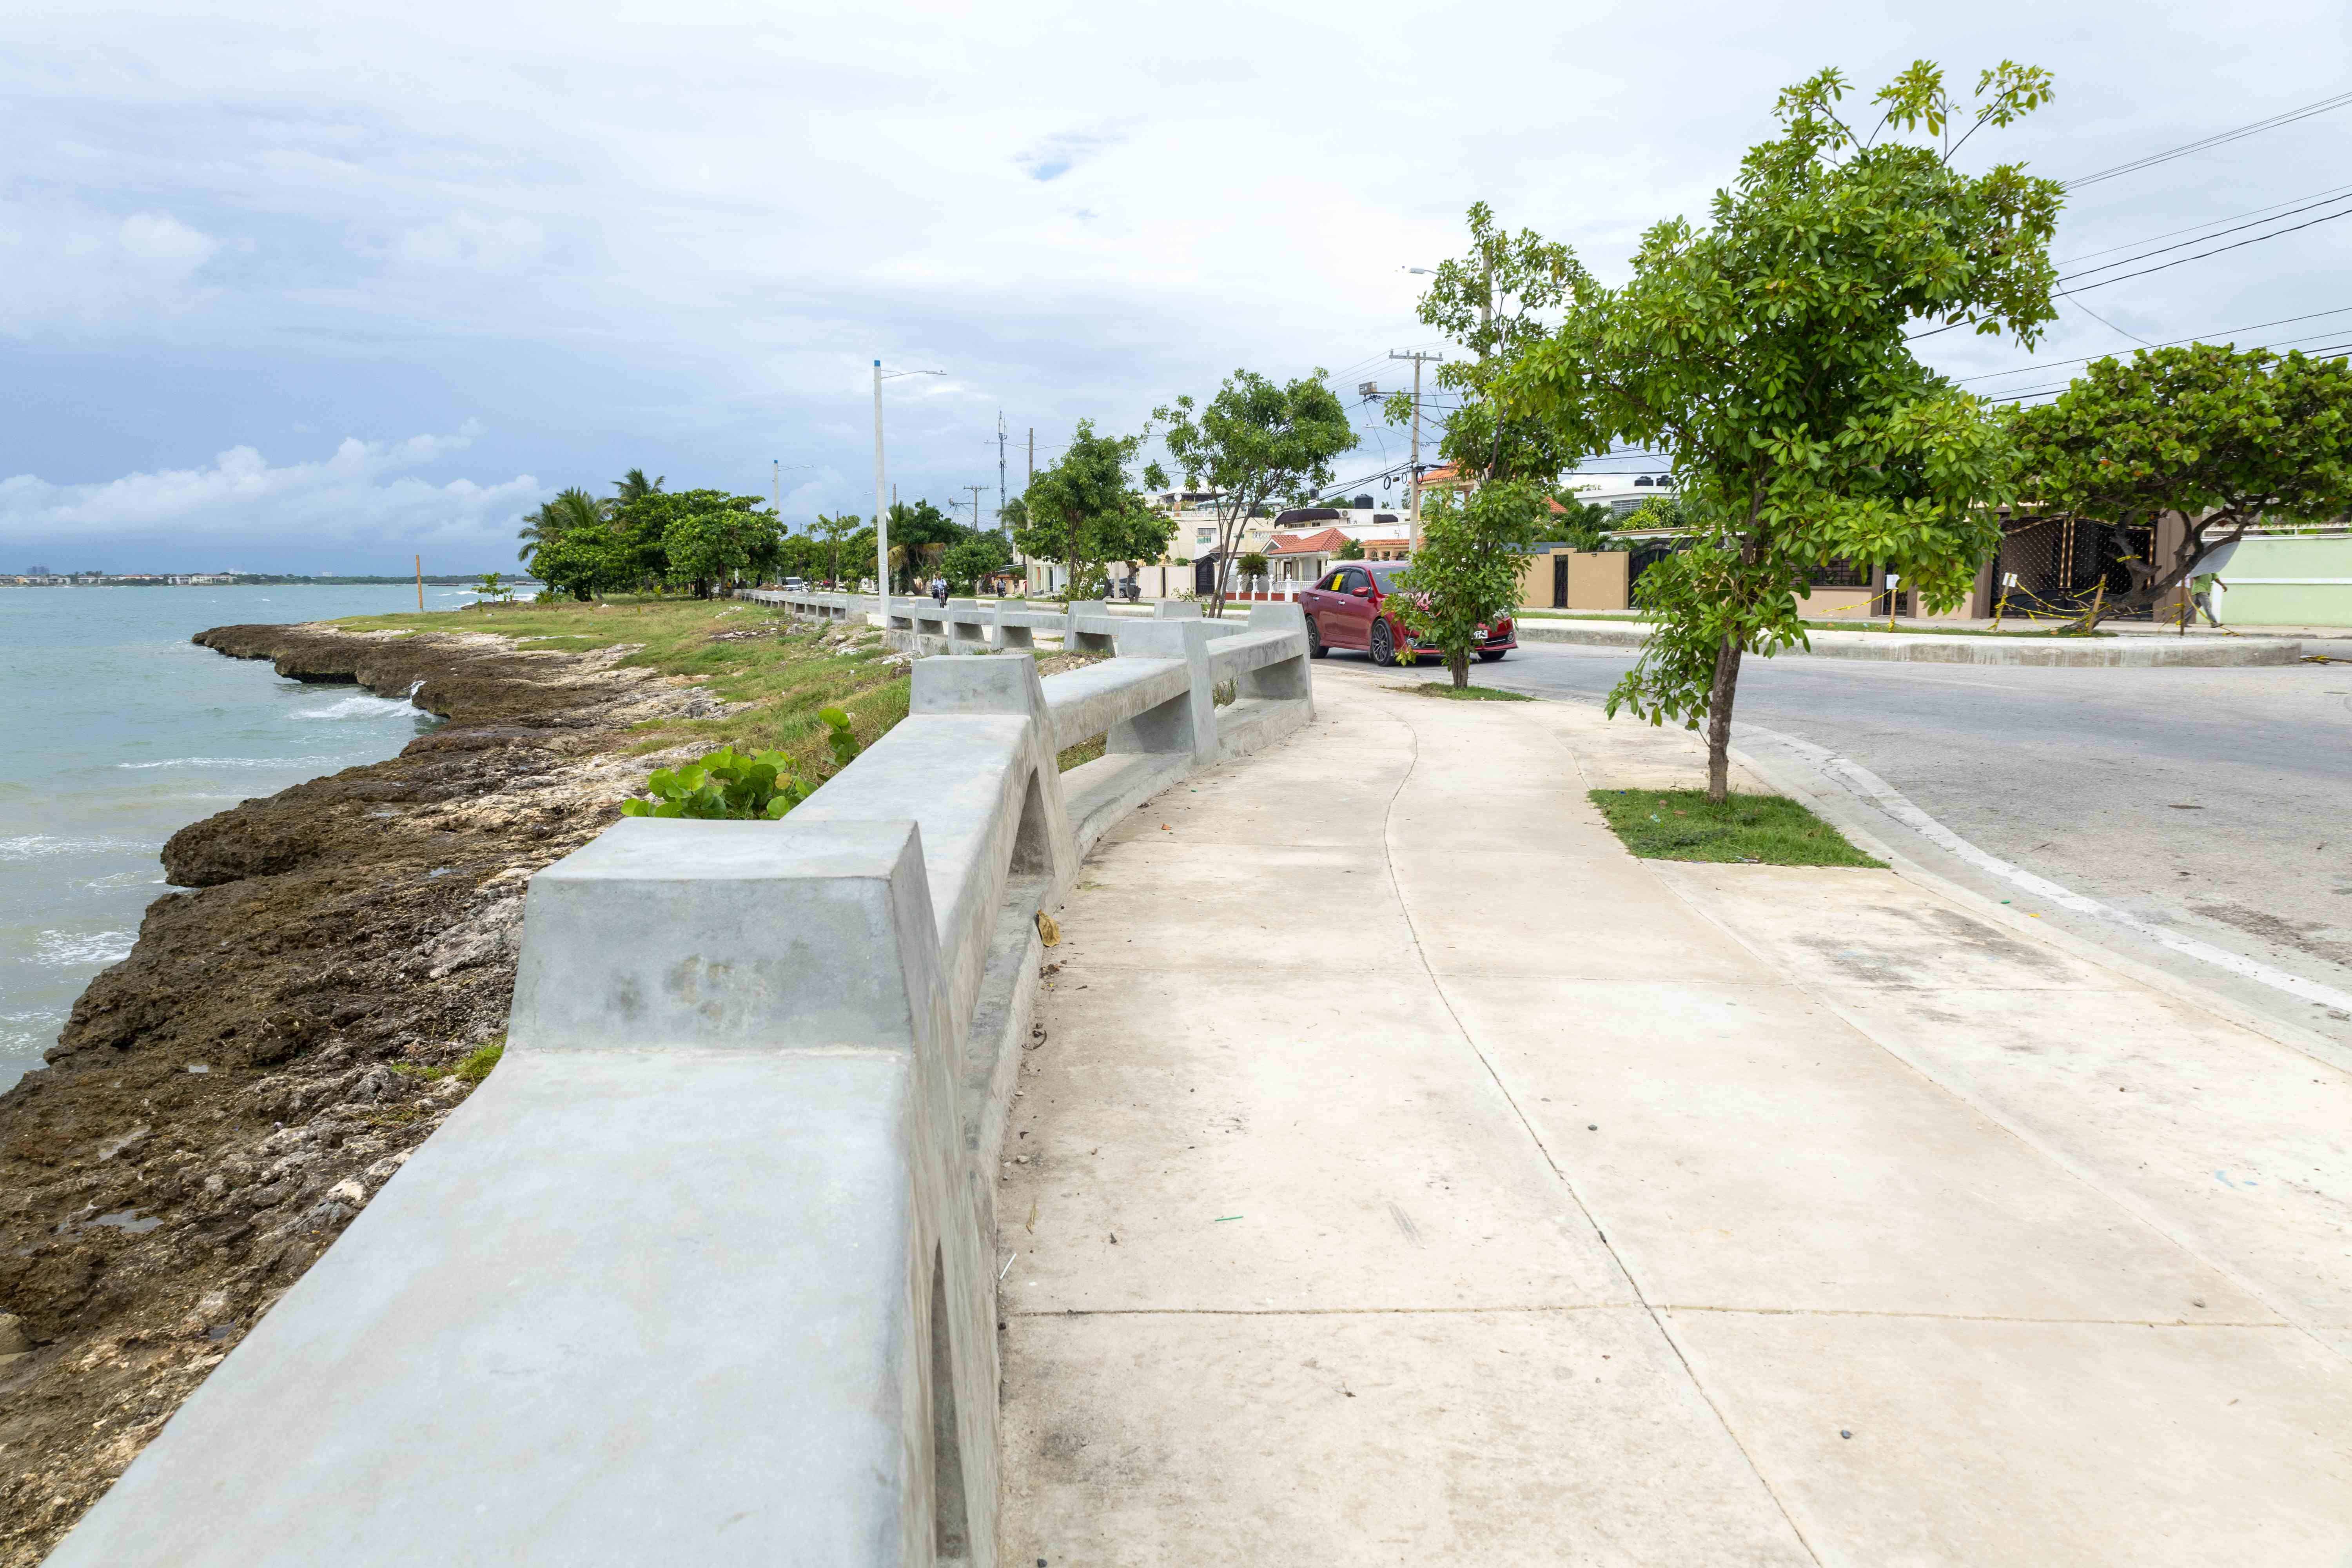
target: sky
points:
(303, 288)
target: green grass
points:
(782, 679)
(1447, 690)
(1755, 829)
(472, 1070)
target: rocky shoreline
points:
(330, 984)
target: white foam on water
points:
(238, 762)
(362, 707)
(73, 949)
(40, 845)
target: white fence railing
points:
(703, 1273)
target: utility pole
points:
(1000, 472)
(881, 519)
(1417, 358)
(776, 483)
(1033, 454)
(977, 490)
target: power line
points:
(2160, 267)
(2183, 244)
(2217, 138)
(2173, 343)
(2185, 261)
(2151, 240)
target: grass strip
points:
(1750, 829)
(1453, 693)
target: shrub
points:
(731, 786)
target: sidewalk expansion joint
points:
(1321, 1312)
(1567, 1184)
(2053, 1322)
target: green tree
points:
(644, 523)
(835, 531)
(2226, 439)
(1579, 522)
(1254, 443)
(708, 547)
(1085, 513)
(1766, 353)
(921, 536)
(1491, 304)
(1351, 551)
(574, 508)
(585, 562)
(634, 486)
(1466, 576)
(975, 557)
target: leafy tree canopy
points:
(2226, 439)
(1766, 353)
(1466, 575)
(1085, 513)
(978, 555)
(1253, 443)
(1491, 304)
(706, 546)
(583, 561)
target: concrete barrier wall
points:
(704, 1273)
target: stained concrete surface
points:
(2211, 801)
(1409, 1175)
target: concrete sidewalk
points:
(1407, 1175)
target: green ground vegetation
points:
(743, 653)
(1755, 829)
(1465, 693)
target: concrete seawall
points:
(702, 1273)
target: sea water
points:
(115, 732)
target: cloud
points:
(69, 267)
(1057, 155)
(359, 496)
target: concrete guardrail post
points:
(1176, 610)
(1076, 641)
(1290, 677)
(1184, 723)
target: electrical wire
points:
(2185, 261)
(2151, 239)
(2220, 138)
(2173, 343)
(2183, 244)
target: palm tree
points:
(574, 508)
(634, 485)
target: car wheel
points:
(1484, 658)
(1315, 645)
(1383, 649)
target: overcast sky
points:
(303, 288)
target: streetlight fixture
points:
(881, 510)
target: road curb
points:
(1791, 778)
(1902, 647)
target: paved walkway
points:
(1409, 1176)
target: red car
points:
(1347, 608)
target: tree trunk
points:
(1458, 661)
(1718, 720)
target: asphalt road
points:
(2215, 801)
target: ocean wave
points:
(238, 762)
(40, 846)
(73, 949)
(364, 708)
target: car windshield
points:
(1386, 574)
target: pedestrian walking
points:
(2200, 594)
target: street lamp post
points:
(881, 494)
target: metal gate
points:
(2060, 566)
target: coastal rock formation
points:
(326, 989)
